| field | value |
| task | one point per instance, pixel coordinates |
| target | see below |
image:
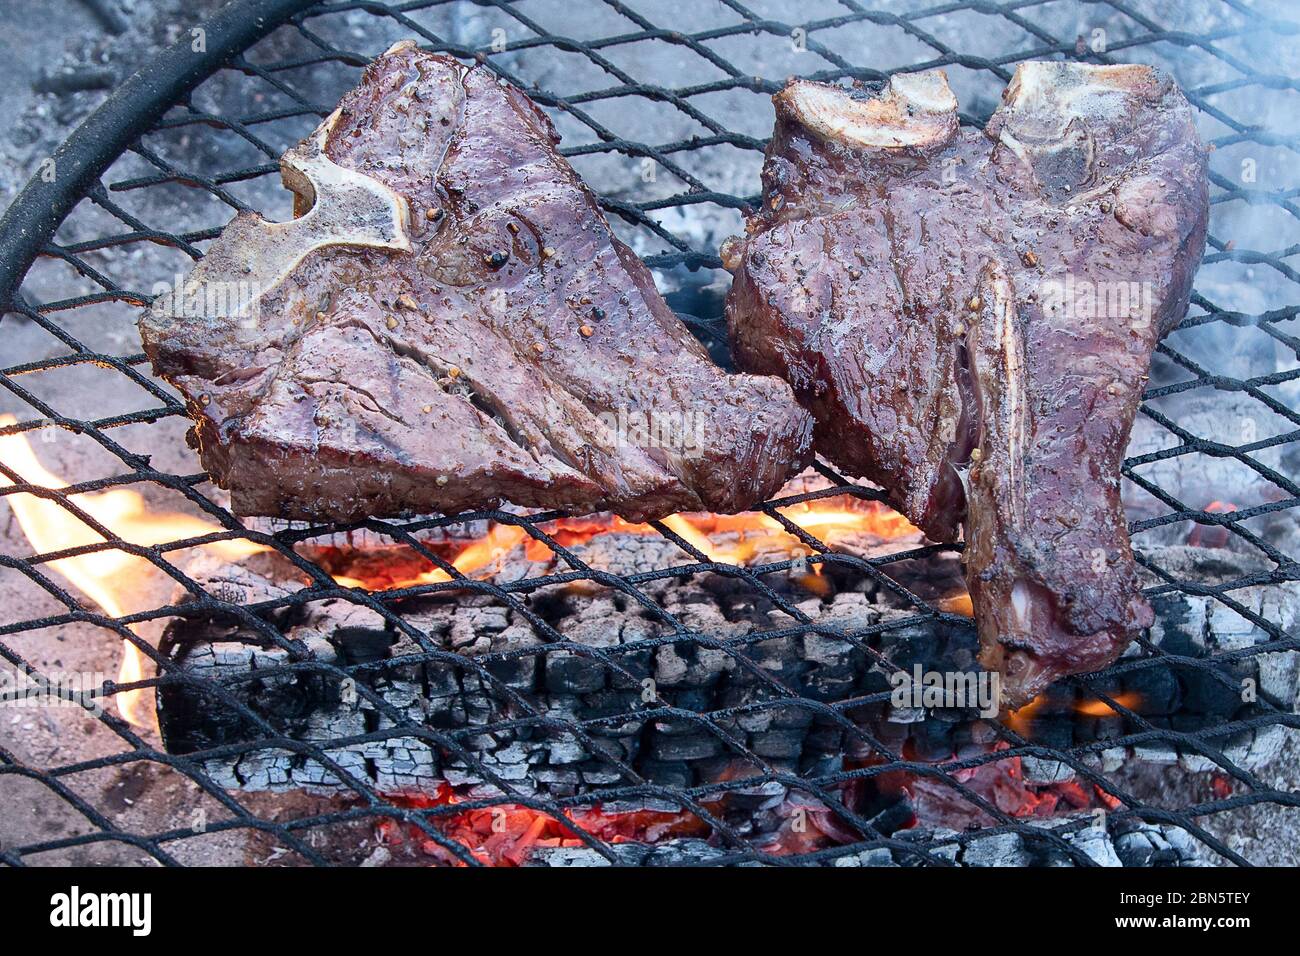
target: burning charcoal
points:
(1056, 732)
(940, 844)
(778, 743)
(895, 816)
(253, 581)
(821, 686)
(906, 715)
(519, 672)
(764, 795)
(1208, 692)
(284, 700)
(1241, 747)
(613, 704)
(684, 664)
(1144, 844)
(561, 782)
(1093, 842)
(1157, 752)
(792, 715)
(814, 764)
(454, 534)
(1103, 728)
(598, 625)
(605, 769)
(1279, 674)
(613, 748)
(932, 738)
(600, 775)
(1056, 701)
(999, 849)
(1266, 743)
(560, 857)
(913, 644)
(1096, 844)
(471, 631)
(1041, 771)
(682, 853)
(835, 670)
(831, 654)
(667, 773)
(879, 856)
(874, 681)
(564, 748)
(671, 853)
(779, 655)
(401, 763)
(685, 746)
(1138, 844)
(1156, 687)
(572, 674)
(824, 738)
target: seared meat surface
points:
(448, 322)
(970, 316)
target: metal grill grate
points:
(664, 110)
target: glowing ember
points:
(1210, 536)
(49, 526)
(1002, 784)
(505, 835)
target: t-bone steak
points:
(970, 316)
(448, 322)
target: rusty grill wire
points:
(275, 92)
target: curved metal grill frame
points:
(161, 98)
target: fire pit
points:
(793, 685)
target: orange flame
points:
(748, 535)
(1099, 708)
(759, 533)
(49, 526)
(496, 544)
(1210, 536)
(959, 603)
(1018, 720)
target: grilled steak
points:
(448, 322)
(970, 316)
